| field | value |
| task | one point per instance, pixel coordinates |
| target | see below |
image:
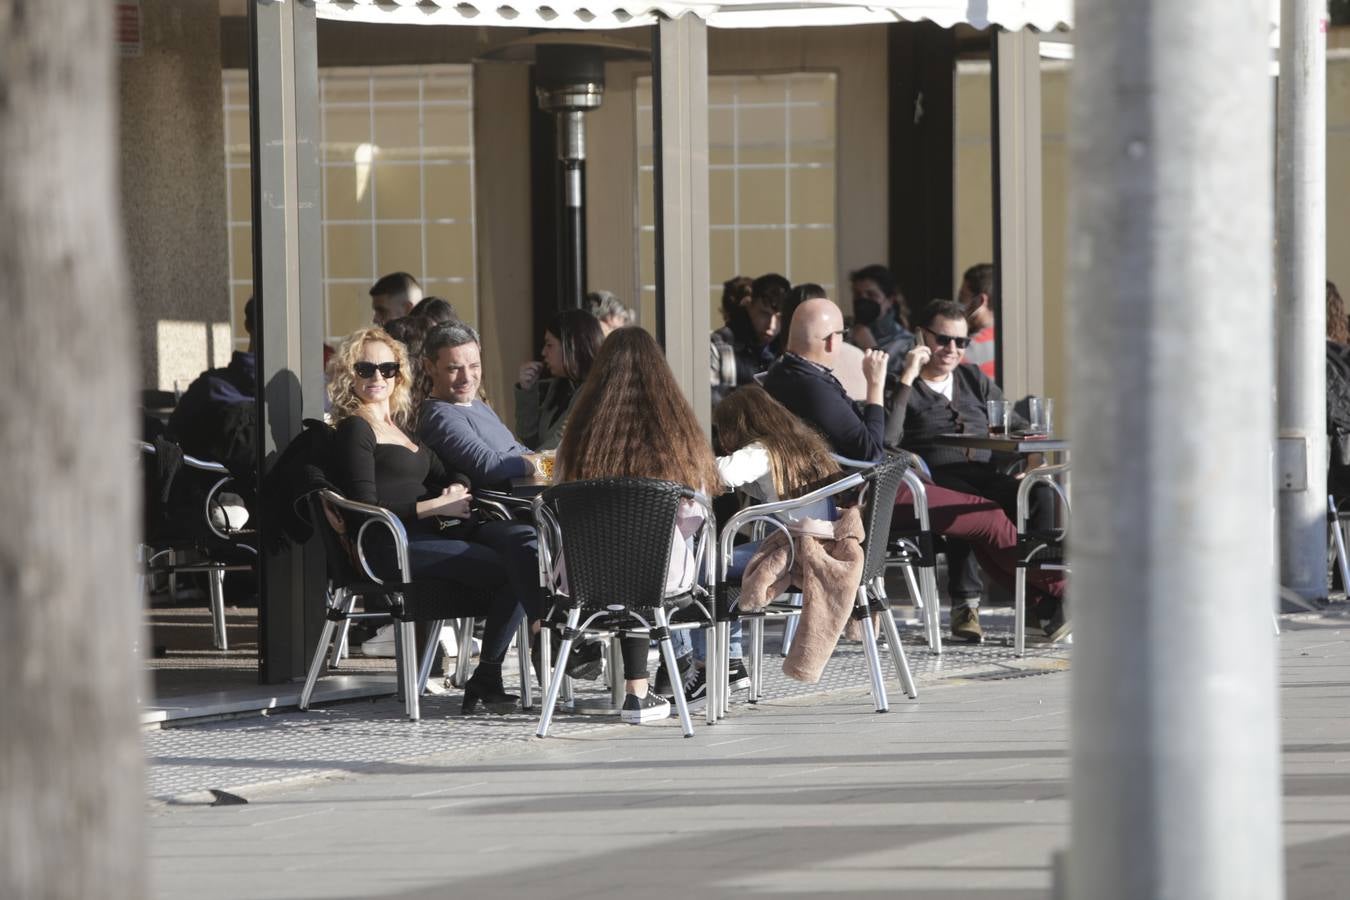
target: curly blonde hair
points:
(342, 377)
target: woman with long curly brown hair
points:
(631, 421)
(375, 459)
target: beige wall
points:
(1338, 162)
(173, 190)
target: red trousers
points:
(984, 525)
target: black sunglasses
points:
(368, 369)
(945, 339)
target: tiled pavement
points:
(960, 794)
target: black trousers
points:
(985, 480)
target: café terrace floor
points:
(962, 793)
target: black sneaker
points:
(662, 684)
(695, 687)
(638, 710)
(585, 662)
(1057, 627)
(739, 676)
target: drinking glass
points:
(1041, 411)
(1000, 417)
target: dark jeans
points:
(501, 557)
(982, 524)
(984, 480)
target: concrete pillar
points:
(1018, 231)
(1176, 775)
(288, 284)
(1301, 271)
(680, 117)
(173, 191)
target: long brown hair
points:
(631, 421)
(798, 456)
(1338, 327)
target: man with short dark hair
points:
(880, 317)
(938, 394)
(976, 294)
(745, 347)
(455, 423)
(394, 296)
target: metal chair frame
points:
(871, 597)
(617, 617)
(150, 557)
(1029, 546)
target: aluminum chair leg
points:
(756, 659)
(428, 656)
(464, 659)
(668, 654)
(616, 689)
(1338, 535)
(555, 677)
(790, 626)
(724, 668)
(873, 656)
(898, 655)
(407, 668)
(346, 602)
(933, 605)
(523, 658)
(216, 580)
(710, 652)
(315, 663)
(1020, 612)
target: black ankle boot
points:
(486, 687)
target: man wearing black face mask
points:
(878, 314)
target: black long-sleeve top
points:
(388, 475)
(814, 395)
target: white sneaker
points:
(379, 646)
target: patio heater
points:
(569, 81)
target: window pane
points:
(347, 251)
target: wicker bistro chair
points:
(913, 550)
(214, 547)
(876, 487)
(351, 576)
(1035, 549)
(614, 535)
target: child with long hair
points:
(630, 420)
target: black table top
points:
(1014, 444)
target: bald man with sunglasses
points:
(938, 393)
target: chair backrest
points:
(878, 506)
(616, 538)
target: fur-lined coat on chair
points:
(827, 571)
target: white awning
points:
(1044, 15)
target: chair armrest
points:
(507, 506)
(374, 515)
(915, 462)
(1042, 475)
(766, 512)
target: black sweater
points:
(918, 414)
(387, 475)
(816, 397)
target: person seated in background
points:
(735, 292)
(393, 297)
(977, 296)
(608, 310)
(745, 346)
(409, 330)
(217, 416)
(849, 369)
(435, 310)
(802, 381)
(880, 315)
(939, 394)
(460, 428)
(571, 342)
(631, 420)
